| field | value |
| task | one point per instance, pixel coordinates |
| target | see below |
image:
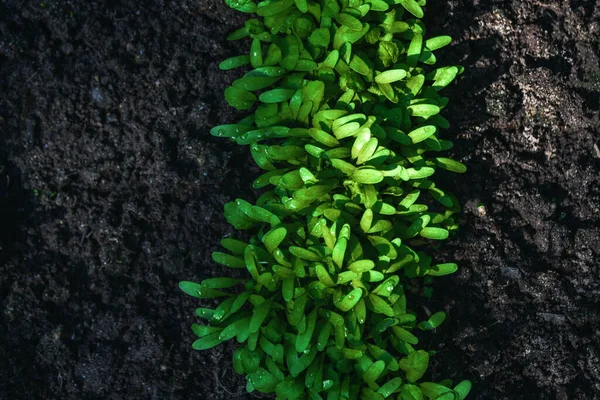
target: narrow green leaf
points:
(434, 233)
(438, 42)
(259, 314)
(207, 342)
(390, 76)
(234, 62)
(347, 302)
(412, 7)
(451, 165)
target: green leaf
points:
(380, 306)
(420, 173)
(348, 302)
(234, 62)
(273, 238)
(414, 49)
(237, 247)
(266, 72)
(228, 260)
(274, 8)
(230, 130)
(324, 276)
(263, 381)
(411, 392)
(304, 338)
(390, 76)
(417, 226)
(361, 66)
(388, 53)
(423, 110)
(415, 365)
(463, 389)
(374, 371)
(199, 291)
(238, 98)
(256, 58)
(276, 95)
(323, 137)
(252, 83)
(367, 176)
(302, 5)
(420, 134)
(320, 38)
(438, 42)
(442, 269)
(451, 165)
(220, 283)
(390, 387)
(361, 266)
(434, 233)
(207, 342)
(433, 322)
(444, 77)
(412, 7)
(290, 49)
(405, 335)
(436, 391)
(234, 329)
(259, 314)
(349, 21)
(205, 330)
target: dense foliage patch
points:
(346, 126)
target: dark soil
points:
(111, 191)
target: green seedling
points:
(347, 113)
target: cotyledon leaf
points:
(304, 338)
(433, 322)
(442, 269)
(274, 8)
(412, 7)
(207, 342)
(434, 233)
(347, 302)
(259, 315)
(420, 134)
(438, 42)
(199, 291)
(390, 76)
(451, 165)
(273, 238)
(234, 62)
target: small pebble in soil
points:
(98, 96)
(510, 272)
(557, 319)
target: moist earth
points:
(111, 192)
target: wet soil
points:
(111, 191)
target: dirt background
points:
(111, 191)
